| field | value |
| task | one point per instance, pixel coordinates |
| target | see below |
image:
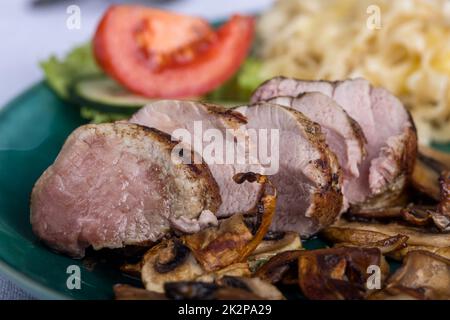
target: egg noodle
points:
(408, 52)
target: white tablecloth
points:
(30, 35)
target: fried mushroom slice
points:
(256, 285)
(338, 273)
(190, 290)
(441, 217)
(423, 275)
(441, 157)
(427, 169)
(228, 288)
(215, 248)
(274, 242)
(438, 216)
(388, 245)
(235, 270)
(363, 233)
(232, 241)
(400, 254)
(168, 261)
(279, 266)
(375, 213)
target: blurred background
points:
(31, 30)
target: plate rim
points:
(18, 278)
(25, 92)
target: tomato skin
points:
(117, 52)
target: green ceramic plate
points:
(33, 128)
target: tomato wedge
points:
(165, 55)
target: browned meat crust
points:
(327, 199)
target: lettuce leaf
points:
(241, 86)
(60, 73)
(96, 116)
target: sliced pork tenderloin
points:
(343, 135)
(387, 126)
(114, 185)
(198, 119)
(309, 177)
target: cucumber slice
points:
(104, 94)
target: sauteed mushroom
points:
(255, 285)
(441, 216)
(235, 288)
(273, 244)
(442, 157)
(278, 266)
(168, 261)
(190, 290)
(338, 273)
(235, 270)
(391, 244)
(215, 248)
(423, 275)
(375, 213)
(359, 233)
(429, 166)
(438, 216)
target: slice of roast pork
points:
(343, 135)
(202, 121)
(308, 179)
(114, 185)
(387, 126)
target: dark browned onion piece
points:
(426, 174)
(274, 235)
(338, 273)
(375, 213)
(234, 282)
(416, 215)
(444, 204)
(190, 290)
(240, 178)
(127, 292)
(274, 269)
